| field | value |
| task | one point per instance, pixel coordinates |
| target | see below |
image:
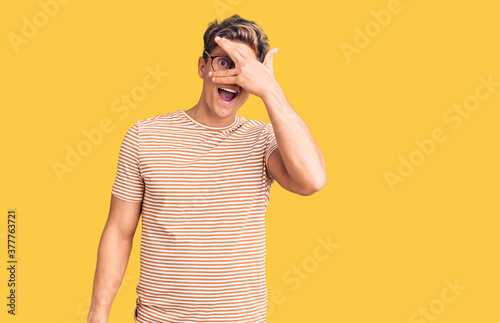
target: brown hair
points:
(237, 29)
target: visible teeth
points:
(229, 90)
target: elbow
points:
(315, 186)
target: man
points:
(201, 178)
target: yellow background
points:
(396, 248)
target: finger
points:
(229, 72)
(230, 48)
(225, 79)
(268, 60)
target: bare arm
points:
(297, 164)
(112, 256)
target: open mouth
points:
(227, 95)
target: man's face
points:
(212, 92)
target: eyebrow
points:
(219, 54)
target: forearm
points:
(300, 153)
(113, 255)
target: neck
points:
(208, 116)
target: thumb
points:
(268, 60)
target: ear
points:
(201, 67)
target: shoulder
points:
(159, 120)
(256, 125)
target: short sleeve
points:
(129, 184)
(271, 145)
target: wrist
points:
(97, 316)
(273, 94)
(99, 309)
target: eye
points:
(224, 62)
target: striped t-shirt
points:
(204, 191)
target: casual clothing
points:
(204, 193)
